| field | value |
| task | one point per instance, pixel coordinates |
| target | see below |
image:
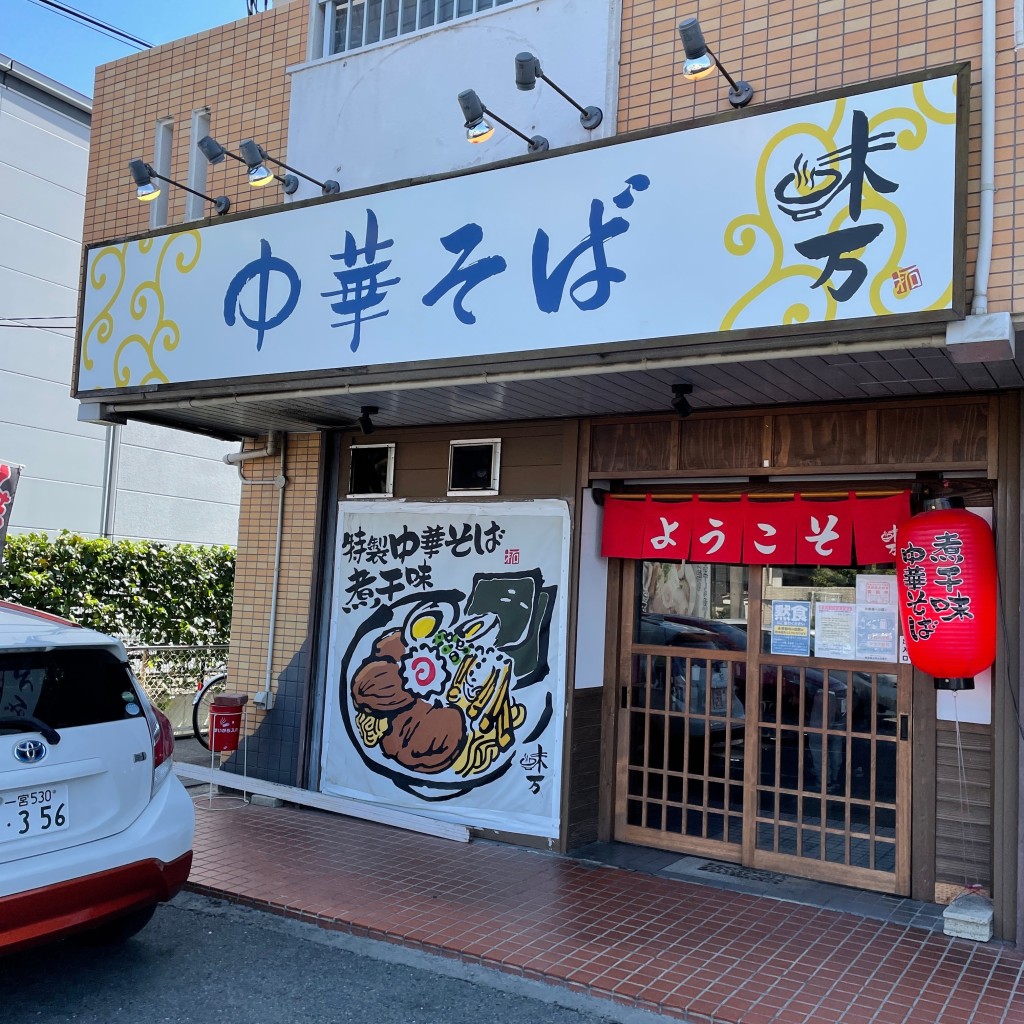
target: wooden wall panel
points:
(726, 442)
(829, 438)
(963, 825)
(931, 434)
(939, 432)
(584, 767)
(636, 446)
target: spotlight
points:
(365, 423)
(680, 404)
(146, 191)
(255, 158)
(259, 174)
(479, 130)
(701, 62)
(528, 70)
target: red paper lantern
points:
(946, 562)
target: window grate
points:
(352, 24)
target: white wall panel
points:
(391, 111)
(53, 455)
(50, 145)
(24, 296)
(38, 253)
(48, 506)
(175, 520)
(168, 473)
(42, 354)
(30, 199)
(40, 403)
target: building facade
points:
(576, 457)
(118, 480)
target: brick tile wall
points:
(236, 70)
(274, 746)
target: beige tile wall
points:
(257, 534)
(236, 70)
(791, 48)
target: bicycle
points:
(208, 690)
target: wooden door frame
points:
(620, 671)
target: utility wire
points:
(94, 23)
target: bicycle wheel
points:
(201, 706)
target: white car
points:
(95, 829)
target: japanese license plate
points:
(33, 812)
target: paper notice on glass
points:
(834, 631)
(877, 633)
(877, 590)
(791, 628)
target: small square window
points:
(473, 466)
(371, 470)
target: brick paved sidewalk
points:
(696, 953)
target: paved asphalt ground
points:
(201, 960)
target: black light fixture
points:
(701, 62)
(680, 403)
(254, 156)
(146, 191)
(478, 129)
(365, 423)
(528, 70)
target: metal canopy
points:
(894, 373)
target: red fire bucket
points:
(226, 721)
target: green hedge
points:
(140, 591)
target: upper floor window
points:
(352, 24)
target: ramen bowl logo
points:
(432, 697)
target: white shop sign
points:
(832, 211)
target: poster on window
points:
(446, 661)
(791, 628)
(677, 589)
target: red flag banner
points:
(9, 475)
(769, 532)
(754, 531)
(717, 531)
(824, 532)
(622, 535)
(667, 530)
(875, 522)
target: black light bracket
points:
(221, 204)
(329, 187)
(215, 153)
(474, 111)
(528, 70)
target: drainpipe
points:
(108, 496)
(987, 187)
(275, 444)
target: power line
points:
(94, 23)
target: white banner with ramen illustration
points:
(446, 664)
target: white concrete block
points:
(981, 339)
(969, 917)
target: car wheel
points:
(120, 929)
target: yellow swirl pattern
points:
(742, 233)
(144, 331)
